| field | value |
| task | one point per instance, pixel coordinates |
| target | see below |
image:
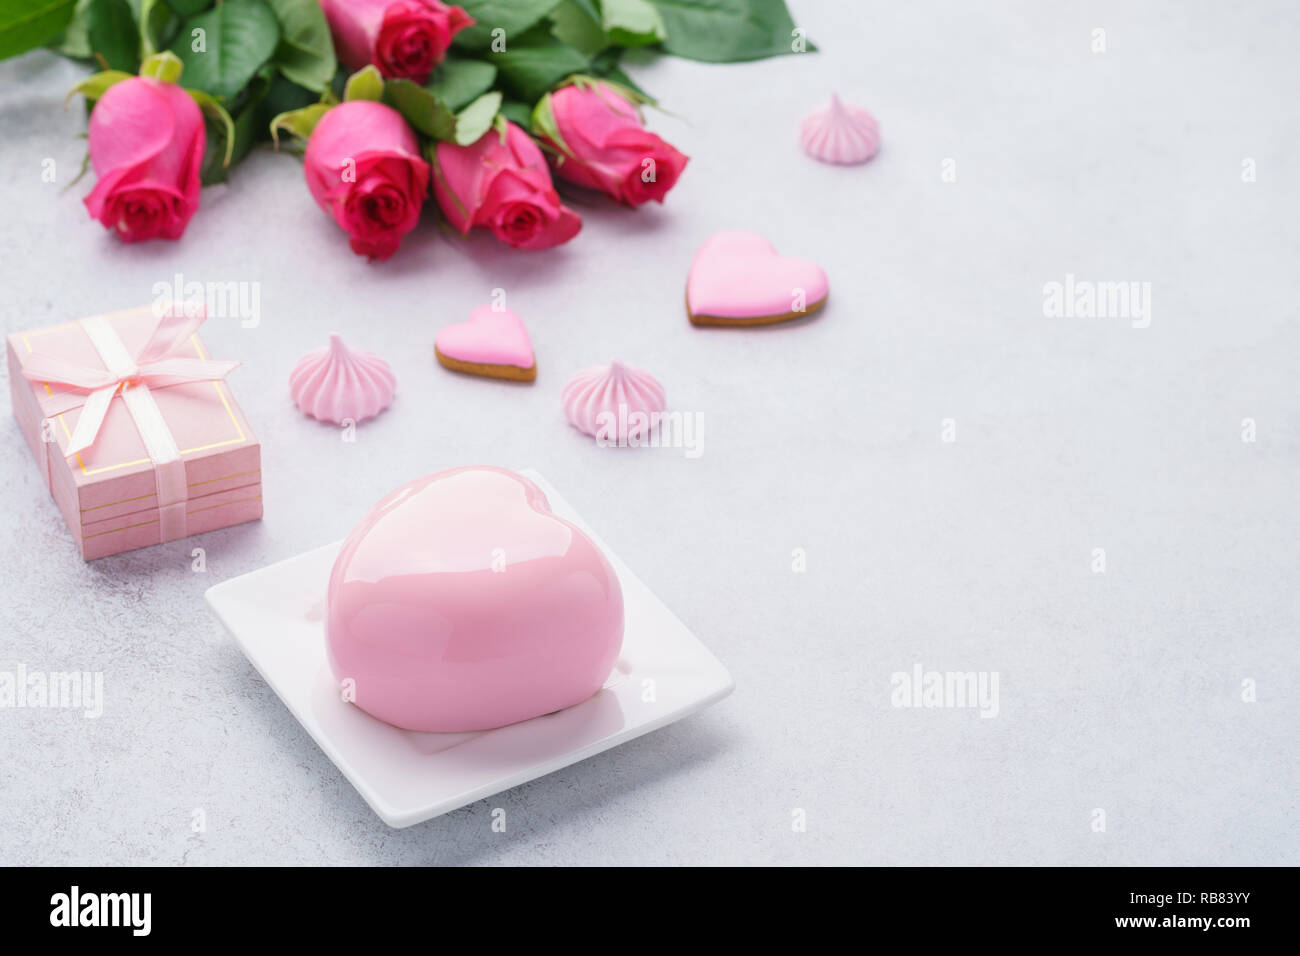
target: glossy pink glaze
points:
(461, 603)
(741, 275)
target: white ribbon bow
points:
(157, 364)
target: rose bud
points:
(600, 142)
(402, 38)
(501, 183)
(363, 167)
(146, 145)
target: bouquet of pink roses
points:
(482, 105)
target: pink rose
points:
(363, 167)
(146, 144)
(403, 38)
(602, 144)
(502, 183)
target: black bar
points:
(1162, 906)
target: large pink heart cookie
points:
(737, 278)
(491, 343)
(461, 603)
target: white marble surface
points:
(1120, 691)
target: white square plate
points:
(276, 616)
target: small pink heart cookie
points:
(737, 278)
(491, 343)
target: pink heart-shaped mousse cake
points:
(738, 278)
(461, 603)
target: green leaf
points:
(282, 97)
(306, 52)
(476, 119)
(458, 82)
(365, 84)
(159, 24)
(605, 66)
(74, 42)
(213, 110)
(27, 24)
(187, 8)
(543, 125)
(512, 16)
(578, 23)
(727, 31)
(518, 113)
(299, 123)
(251, 124)
(237, 38)
(114, 41)
(165, 66)
(232, 135)
(632, 22)
(422, 109)
(93, 86)
(535, 62)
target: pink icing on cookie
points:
(613, 401)
(336, 384)
(739, 275)
(488, 338)
(840, 133)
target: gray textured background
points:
(1119, 691)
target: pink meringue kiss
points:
(841, 133)
(336, 384)
(613, 402)
(461, 603)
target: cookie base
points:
(750, 320)
(511, 373)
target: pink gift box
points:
(111, 493)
